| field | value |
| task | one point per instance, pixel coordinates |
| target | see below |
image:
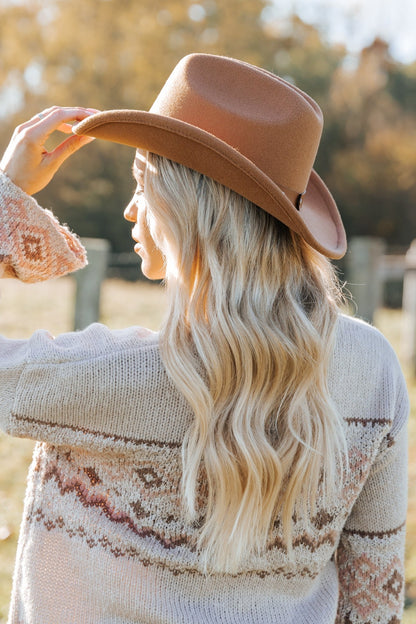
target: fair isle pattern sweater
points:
(103, 538)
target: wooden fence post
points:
(88, 282)
(409, 307)
(364, 274)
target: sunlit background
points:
(357, 58)
(356, 23)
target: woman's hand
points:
(27, 162)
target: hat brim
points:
(317, 221)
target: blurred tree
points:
(372, 169)
(108, 54)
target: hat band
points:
(293, 196)
(299, 200)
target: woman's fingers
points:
(55, 118)
(67, 148)
(26, 160)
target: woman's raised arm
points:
(33, 245)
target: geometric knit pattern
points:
(104, 538)
(33, 245)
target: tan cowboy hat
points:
(245, 128)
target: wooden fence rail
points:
(367, 270)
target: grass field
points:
(25, 308)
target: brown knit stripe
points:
(374, 534)
(369, 421)
(120, 518)
(108, 436)
(311, 543)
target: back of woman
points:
(238, 466)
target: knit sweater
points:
(103, 537)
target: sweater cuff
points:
(34, 246)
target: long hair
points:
(247, 340)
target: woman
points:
(247, 463)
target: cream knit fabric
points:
(103, 538)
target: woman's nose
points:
(130, 212)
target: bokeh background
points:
(357, 58)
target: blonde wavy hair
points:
(247, 340)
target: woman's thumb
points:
(68, 147)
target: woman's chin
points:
(150, 267)
(152, 273)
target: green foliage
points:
(106, 54)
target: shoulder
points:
(365, 376)
(361, 343)
(94, 342)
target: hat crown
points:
(266, 119)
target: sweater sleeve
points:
(370, 555)
(33, 245)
